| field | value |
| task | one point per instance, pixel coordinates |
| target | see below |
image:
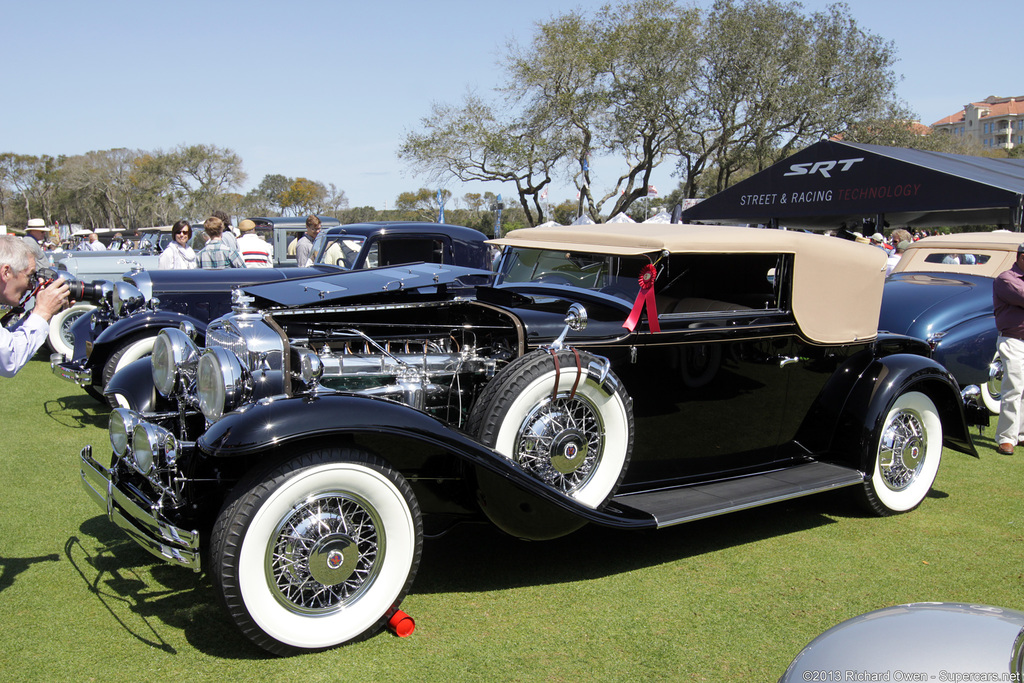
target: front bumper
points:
(71, 370)
(139, 517)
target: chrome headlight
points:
(126, 299)
(152, 447)
(106, 301)
(174, 357)
(222, 382)
(310, 367)
(121, 427)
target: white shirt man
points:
(94, 243)
(255, 251)
(20, 342)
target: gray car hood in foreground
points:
(927, 641)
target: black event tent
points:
(832, 183)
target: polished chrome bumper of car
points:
(138, 517)
(974, 409)
(72, 371)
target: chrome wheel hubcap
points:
(560, 442)
(902, 450)
(324, 553)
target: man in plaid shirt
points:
(216, 254)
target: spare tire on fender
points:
(568, 427)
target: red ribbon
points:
(645, 297)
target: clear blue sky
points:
(327, 89)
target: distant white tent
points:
(583, 220)
(621, 218)
(549, 224)
(660, 217)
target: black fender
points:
(137, 325)
(134, 382)
(881, 382)
(81, 330)
(271, 425)
(157, 320)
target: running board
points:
(689, 503)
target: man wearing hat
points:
(1008, 302)
(878, 240)
(255, 251)
(35, 234)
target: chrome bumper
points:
(72, 371)
(138, 517)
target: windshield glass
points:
(337, 250)
(615, 275)
(150, 241)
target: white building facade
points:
(995, 122)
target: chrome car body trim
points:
(145, 527)
(71, 371)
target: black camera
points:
(84, 291)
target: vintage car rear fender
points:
(267, 427)
(875, 390)
(967, 350)
(917, 303)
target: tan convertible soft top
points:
(837, 284)
(993, 253)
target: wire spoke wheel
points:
(907, 449)
(318, 551)
(325, 553)
(561, 441)
(902, 450)
(559, 423)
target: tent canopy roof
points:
(832, 183)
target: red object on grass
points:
(401, 624)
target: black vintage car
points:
(132, 312)
(634, 376)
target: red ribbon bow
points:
(648, 274)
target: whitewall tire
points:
(578, 440)
(129, 353)
(60, 338)
(317, 552)
(907, 452)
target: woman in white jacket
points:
(178, 255)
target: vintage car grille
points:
(228, 338)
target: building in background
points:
(995, 122)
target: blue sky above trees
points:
(326, 90)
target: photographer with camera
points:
(19, 342)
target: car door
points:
(710, 387)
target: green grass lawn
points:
(727, 599)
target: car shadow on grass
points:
(77, 412)
(11, 567)
(489, 560)
(149, 599)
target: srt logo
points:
(822, 167)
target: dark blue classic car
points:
(941, 292)
(134, 310)
(633, 376)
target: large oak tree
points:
(644, 82)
